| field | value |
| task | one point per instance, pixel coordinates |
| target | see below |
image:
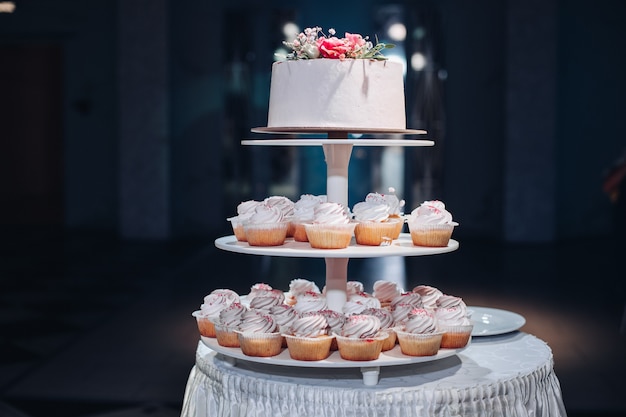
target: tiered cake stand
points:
(337, 148)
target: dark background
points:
(120, 160)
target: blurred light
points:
(419, 33)
(280, 54)
(7, 6)
(290, 30)
(397, 32)
(418, 61)
(442, 74)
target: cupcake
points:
(410, 298)
(266, 301)
(386, 324)
(284, 315)
(456, 326)
(244, 211)
(396, 209)
(429, 295)
(310, 301)
(350, 308)
(266, 227)
(258, 335)
(303, 212)
(259, 289)
(298, 287)
(373, 225)
(361, 338)
(335, 321)
(431, 224)
(368, 300)
(227, 323)
(386, 292)
(286, 207)
(419, 334)
(210, 309)
(308, 339)
(331, 228)
(401, 312)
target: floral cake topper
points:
(313, 43)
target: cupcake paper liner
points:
(225, 336)
(260, 344)
(431, 235)
(376, 233)
(205, 325)
(308, 348)
(266, 234)
(329, 236)
(356, 349)
(238, 229)
(414, 344)
(455, 337)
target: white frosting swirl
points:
(431, 212)
(245, 210)
(304, 208)
(266, 214)
(285, 205)
(330, 213)
(367, 211)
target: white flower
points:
(331, 32)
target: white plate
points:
(493, 321)
(403, 246)
(388, 358)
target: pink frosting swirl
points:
(384, 315)
(429, 294)
(386, 291)
(411, 298)
(283, 315)
(420, 321)
(366, 299)
(309, 326)
(448, 301)
(301, 286)
(265, 302)
(230, 296)
(334, 318)
(453, 316)
(232, 315)
(353, 307)
(361, 326)
(256, 322)
(401, 312)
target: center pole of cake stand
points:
(337, 158)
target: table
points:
(504, 375)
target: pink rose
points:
(332, 48)
(354, 41)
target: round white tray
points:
(403, 246)
(346, 130)
(389, 358)
(321, 141)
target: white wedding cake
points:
(344, 83)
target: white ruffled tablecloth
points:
(506, 375)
